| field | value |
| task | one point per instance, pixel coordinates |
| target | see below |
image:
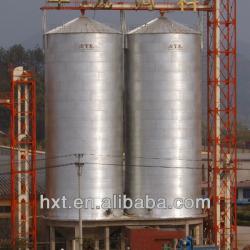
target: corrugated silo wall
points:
(163, 116)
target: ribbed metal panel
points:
(84, 114)
(164, 116)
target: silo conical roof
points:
(163, 25)
(83, 24)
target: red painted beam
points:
(127, 6)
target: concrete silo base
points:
(102, 233)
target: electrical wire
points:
(6, 163)
(120, 165)
(42, 168)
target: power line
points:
(116, 156)
(127, 165)
(7, 162)
(43, 168)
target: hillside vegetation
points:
(31, 59)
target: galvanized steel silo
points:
(84, 114)
(164, 116)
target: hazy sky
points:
(20, 21)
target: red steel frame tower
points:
(221, 97)
(222, 123)
(23, 160)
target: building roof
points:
(5, 190)
(244, 184)
(4, 187)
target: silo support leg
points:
(52, 238)
(75, 242)
(97, 244)
(107, 238)
(69, 245)
(199, 234)
(187, 229)
(97, 239)
(123, 245)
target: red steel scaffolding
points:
(222, 120)
(22, 105)
(222, 123)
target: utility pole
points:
(79, 164)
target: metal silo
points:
(164, 117)
(84, 114)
